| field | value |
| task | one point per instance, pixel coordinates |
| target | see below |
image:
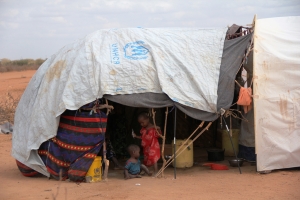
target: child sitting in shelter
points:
(149, 137)
(133, 165)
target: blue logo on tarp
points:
(114, 54)
(136, 51)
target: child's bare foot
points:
(146, 170)
(142, 173)
(130, 176)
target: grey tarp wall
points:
(232, 57)
(247, 127)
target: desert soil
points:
(197, 182)
(14, 82)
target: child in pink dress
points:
(149, 139)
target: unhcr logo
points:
(136, 51)
(97, 171)
(114, 54)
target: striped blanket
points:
(80, 136)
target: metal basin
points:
(235, 162)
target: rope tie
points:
(234, 113)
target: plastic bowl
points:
(216, 166)
(235, 162)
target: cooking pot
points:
(215, 154)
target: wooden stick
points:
(247, 53)
(99, 107)
(106, 162)
(255, 86)
(154, 123)
(109, 108)
(169, 161)
(238, 83)
(163, 143)
(206, 128)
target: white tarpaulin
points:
(182, 63)
(277, 92)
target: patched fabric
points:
(79, 138)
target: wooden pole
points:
(182, 150)
(106, 162)
(175, 115)
(171, 159)
(154, 123)
(255, 86)
(163, 143)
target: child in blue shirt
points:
(133, 165)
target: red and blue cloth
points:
(79, 138)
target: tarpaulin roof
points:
(231, 59)
(193, 69)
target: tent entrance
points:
(123, 120)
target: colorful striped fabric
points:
(26, 171)
(80, 136)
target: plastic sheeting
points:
(6, 128)
(182, 63)
(177, 62)
(232, 56)
(277, 92)
(73, 77)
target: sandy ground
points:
(197, 182)
(14, 82)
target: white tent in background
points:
(276, 73)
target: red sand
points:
(198, 182)
(14, 82)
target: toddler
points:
(133, 165)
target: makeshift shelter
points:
(191, 69)
(276, 75)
